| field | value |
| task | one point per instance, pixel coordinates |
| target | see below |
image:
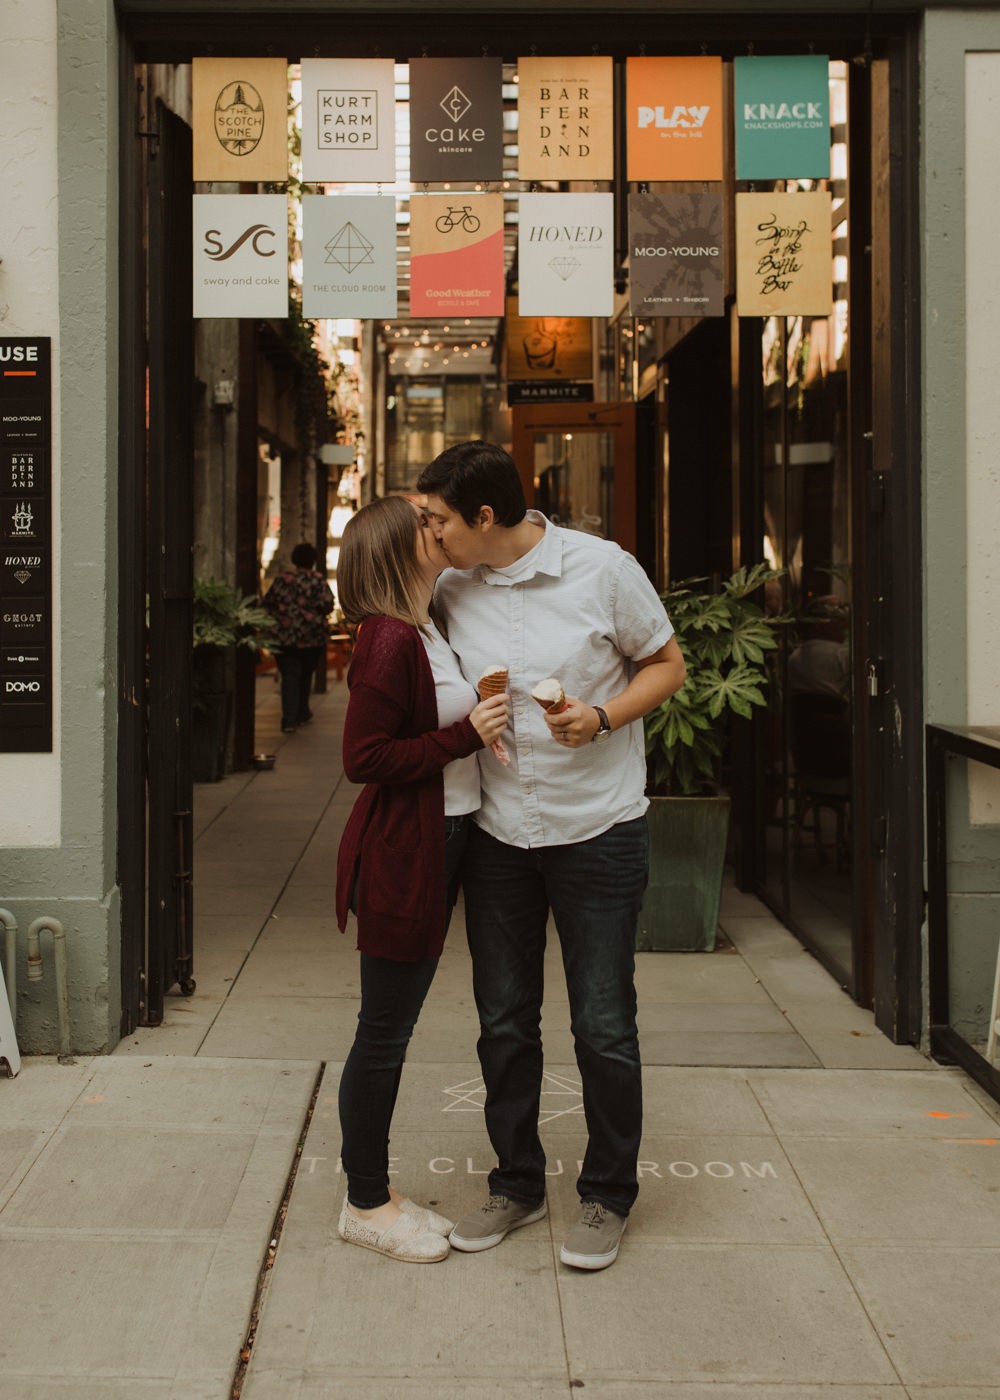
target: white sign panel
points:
(566, 255)
(349, 256)
(240, 255)
(348, 120)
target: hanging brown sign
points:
(240, 119)
(784, 255)
(456, 119)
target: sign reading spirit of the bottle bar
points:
(25, 545)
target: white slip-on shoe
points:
(404, 1239)
(428, 1219)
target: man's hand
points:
(574, 726)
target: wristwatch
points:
(603, 729)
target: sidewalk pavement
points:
(819, 1213)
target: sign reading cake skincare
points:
(784, 256)
(456, 119)
(675, 255)
(240, 118)
(565, 118)
(240, 255)
(348, 256)
(25, 545)
(456, 255)
(674, 118)
(348, 120)
(782, 110)
(566, 255)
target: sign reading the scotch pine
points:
(565, 118)
(566, 255)
(348, 120)
(782, 117)
(456, 255)
(456, 119)
(240, 118)
(784, 255)
(675, 118)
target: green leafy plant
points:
(725, 638)
(224, 617)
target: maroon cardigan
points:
(393, 844)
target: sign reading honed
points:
(349, 120)
(784, 254)
(566, 255)
(240, 119)
(565, 118)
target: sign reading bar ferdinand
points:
(25, 546)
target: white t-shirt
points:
(455, 699)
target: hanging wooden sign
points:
(782, 114)
(456, 119)
(240, 118)
(784, 254)
(674, 121)
(349, 120)
(675, 251)
(555, 349)
(565, 118)
(456, 255)
(566, 255)
(349, 256)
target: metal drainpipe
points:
(10, 960)
(35, 972)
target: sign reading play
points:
(566, 255)
(456, 119)
(456, 255)
(349, 256)
(240, 118)
(240, 255)
(784, 256)
(675, 255)
(565, 118)
(782, 117)
(348, 120)
(674, 118)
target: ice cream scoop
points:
(549, 694)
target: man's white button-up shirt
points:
(581, 609)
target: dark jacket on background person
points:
(299, 600)
(393, 844)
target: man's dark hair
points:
(475, 474)
(304, 556)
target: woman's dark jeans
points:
(392, 994)
(297, 666)
(594, 890)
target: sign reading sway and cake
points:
(676, 265)
(565, 118)
(25, 545)
(784, 256)
(674, 118)
(566, 255)
(349, 120)
(240, 118)
(782, 111)
(349, 256)
(456, 255)
(240, 255)
(456, 119)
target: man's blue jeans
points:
(594, 890)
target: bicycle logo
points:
(460, 216)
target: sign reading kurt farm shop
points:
(348, 120)
(240, 118)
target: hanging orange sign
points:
(674, 120)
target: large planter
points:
(687, 855)
(211, 708)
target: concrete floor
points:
(819, 1213)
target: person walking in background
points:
(411, 733)
(300, 601)
(562, 827)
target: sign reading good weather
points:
(782, 108)
(565, 118)
(240, 255)
(240, 118)
(456, 119)
(674, 118)
(784, 255)
(675, 255)
(348, 120)
(349, 256)
(456, 255)
(566, 255)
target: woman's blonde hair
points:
(378, 573)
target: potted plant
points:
(224, 618)
(725, 638)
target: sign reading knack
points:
(675, 249)
(565, 118)
(784, 254)
(349, 256)
(240, 255)
(674, 118)
(240, 118)
(349, 120)
(456, 255)
(782, 111)
(456, 119)
(566, 255)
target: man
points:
(561, 828)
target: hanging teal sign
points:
(782, 112)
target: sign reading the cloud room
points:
(349, 256)
(240, 255)
(25, 546)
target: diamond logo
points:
(561, 1097)
(349, 248)
(22, 575)
(565, 267)
(455, 103)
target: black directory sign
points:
(25, 545)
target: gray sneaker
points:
(487, 1226)
(593, 1242)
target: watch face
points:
(601, 735)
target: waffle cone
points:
(492, 682)
(552, 699)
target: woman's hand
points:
(489, 718)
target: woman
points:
(411, 734)
(300, 599)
